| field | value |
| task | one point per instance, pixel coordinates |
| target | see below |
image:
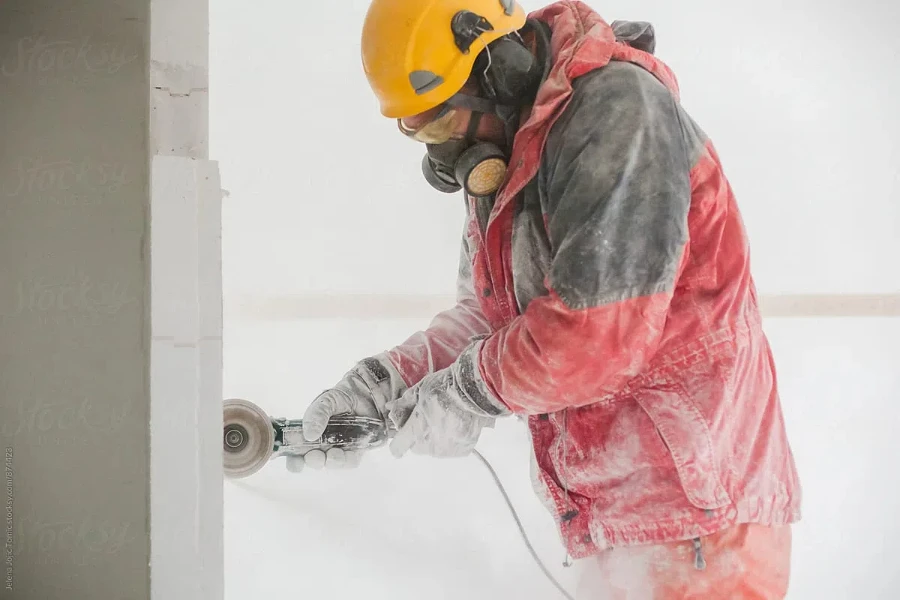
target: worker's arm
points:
(616, 184)
(376, 381)
(448, 333)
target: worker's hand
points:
(443, 414)
(363, 391)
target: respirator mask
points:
(508, 76)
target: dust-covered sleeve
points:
(451, 331)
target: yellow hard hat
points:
(418, 53)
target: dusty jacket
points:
(606, 295)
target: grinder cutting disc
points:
(249, 438)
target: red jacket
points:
(609, 293)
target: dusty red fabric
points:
(745, 562)
(664, 421)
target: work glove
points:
(443, 415)
(363, 391)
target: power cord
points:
(515, 516)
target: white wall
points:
(74, 396)
(325, 196)
(110, 303)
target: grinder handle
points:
(349, 432)
(354, 432)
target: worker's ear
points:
(509, 73)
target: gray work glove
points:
(443, 415)
(364, 391)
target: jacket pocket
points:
(687, 437)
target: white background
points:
(325, 196)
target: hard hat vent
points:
(424, 81)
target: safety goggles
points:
(438, 130)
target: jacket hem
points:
(754, 510)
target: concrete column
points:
(110, 303)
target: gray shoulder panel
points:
(615, 184)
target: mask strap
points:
(474, 121)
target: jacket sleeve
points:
(452, 330)
(615, 180)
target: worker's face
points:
(440, 124)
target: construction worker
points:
(604, 295)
